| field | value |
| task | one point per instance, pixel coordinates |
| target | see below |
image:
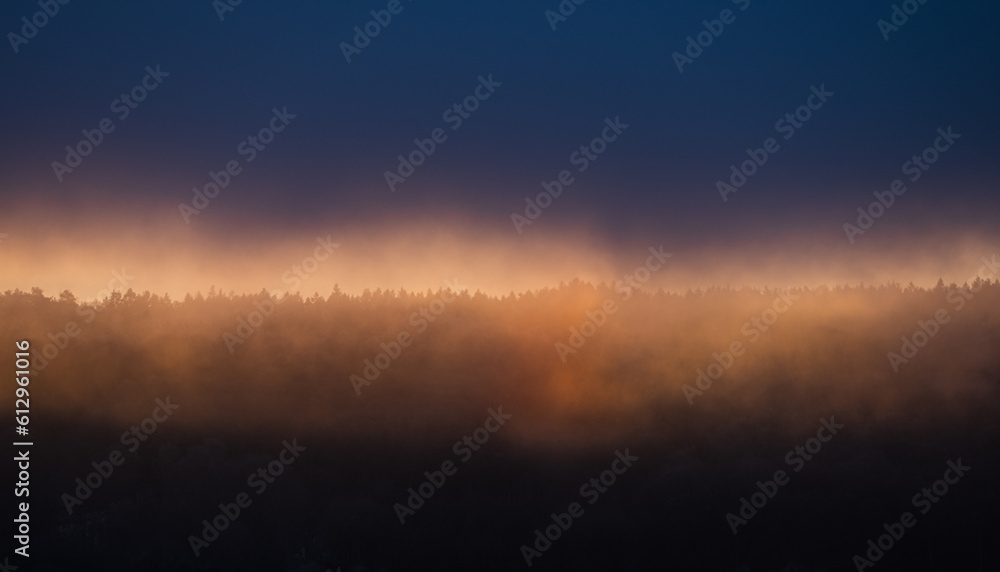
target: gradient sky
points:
(655, 185)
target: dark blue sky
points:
(607, 59)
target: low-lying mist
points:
(709, 390)
(335, 364)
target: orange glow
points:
(52, 250)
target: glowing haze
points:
(83, 254)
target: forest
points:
(708, 388)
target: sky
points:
(348, 105)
